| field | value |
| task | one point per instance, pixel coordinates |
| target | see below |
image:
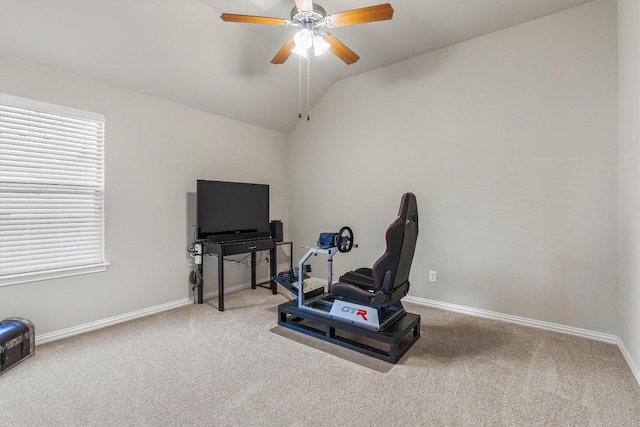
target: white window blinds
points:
(51, 190)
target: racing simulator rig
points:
(362, 311)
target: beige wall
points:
(629, 176)
(155, 152)
(509, 143)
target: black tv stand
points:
(223, 248)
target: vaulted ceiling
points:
(181, 51)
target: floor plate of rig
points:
(388, 345)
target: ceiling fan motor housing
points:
(314, 15)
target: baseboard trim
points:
(585, 333)
(103, 323)
(632, 365)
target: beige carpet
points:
(198, 366)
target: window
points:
(51, 191)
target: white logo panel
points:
(355, 313)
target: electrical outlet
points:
(432, 275)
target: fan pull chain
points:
(307, 87)
(300, 87)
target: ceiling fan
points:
(313, 21)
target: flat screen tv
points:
(232, 210)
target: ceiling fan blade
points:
(250, 19)
(284, 52)
(341, 50)
(379, 12)
(304, 5)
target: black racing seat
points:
(388, 281)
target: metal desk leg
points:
(200, 289)
(273, 268)
(220, 283)
(291, 256)
(253, 270)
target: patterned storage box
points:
(17, 342)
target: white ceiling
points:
(181, 51)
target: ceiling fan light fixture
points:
(320, 45)
(299, 51)
(303, 39)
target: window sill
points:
(16, 279)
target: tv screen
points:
(232, 210)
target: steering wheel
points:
(345, 239)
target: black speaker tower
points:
(276, 230)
